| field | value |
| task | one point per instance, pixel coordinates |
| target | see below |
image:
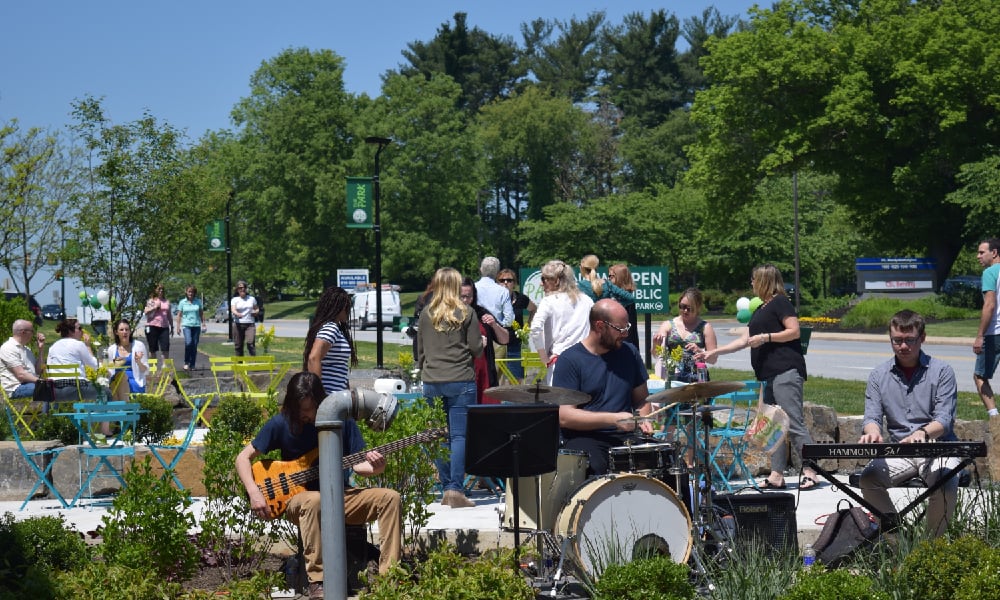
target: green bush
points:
(832, 585)
(102, 581)
(982, 582)
(147, 526)
(51, 427)
(12, 310)
(875, 313)
(241, 414)
(31, 548)
(934, 568)
(656, 578)
(158, 423)
(447, 574)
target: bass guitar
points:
(279, 480)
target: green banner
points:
(360, 206)
(216, 234)
(652, 290)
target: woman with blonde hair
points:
(620, 278)
(776, 356)
(563, 315)
(689, 331)
(448, 343)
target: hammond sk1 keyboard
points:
(833, 450)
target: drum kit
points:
(645, 505)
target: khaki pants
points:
(361, 505)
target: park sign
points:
(651, 287)
(215, 231)
(359, 203)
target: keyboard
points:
(959, 449)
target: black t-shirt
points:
(775, 358)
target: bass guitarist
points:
(293, 432)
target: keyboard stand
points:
(844, 487)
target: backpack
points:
(846, 532)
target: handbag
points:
(45, 391)
(766, 431)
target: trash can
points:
(804, 334)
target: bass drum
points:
(616, 518)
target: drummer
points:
(611, 372)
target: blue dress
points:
(133, 386)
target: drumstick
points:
(650, 415)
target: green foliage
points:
(983, 581)
(656, 578)
(52, 427)
(751, 573)
(12, 310)
(256, 587)
(964, 297)
(30, 550)
(875, 313)
(447, 574)
(158, 423)
(410, 471)
(241, 415)
(935, 568)
(832, 585)
(147, 526)
(103, 581)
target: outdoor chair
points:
(43, 473)
(742, 408)
(180, 449)
(24, 412)
(119, 445)
(199, 403)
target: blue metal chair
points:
(730, 442)
(48, 457)
(156, 449)
(119, 445)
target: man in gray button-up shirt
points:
(916, 395)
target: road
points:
(844, 357)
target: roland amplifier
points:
(768, 518)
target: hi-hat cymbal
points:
(700, 410)
(525, 394)
(702, 390)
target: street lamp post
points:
(229, 264)
(62, 266)
(381, 142)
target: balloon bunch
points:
(745, 307)
(100, 299)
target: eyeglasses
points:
(241, 287)
(685, 307)
(621, 330)
(24, 330)
(899, 341)
(505, 280)
(465, 296)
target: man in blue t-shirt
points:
(293, 432)
(611, 372)
(987, 342)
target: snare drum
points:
(653, 459)
(555, 488)
(624, 517)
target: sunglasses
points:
(505, 280)
(685, 306)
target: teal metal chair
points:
(44, 474)
(730, 436)
(156, 449)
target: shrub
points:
(147, 526)
(101, 581)
(155, 425)
(934, 568)
(981, 582)
(832, 585)
(750, 572)
(656, 578)
(51, 427)
(31, 548)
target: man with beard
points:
(613, 375)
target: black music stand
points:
(508, 440)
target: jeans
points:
(456, 397)
(192, 335)
(25, 390)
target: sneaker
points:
(316, 590)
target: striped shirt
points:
(337, 360)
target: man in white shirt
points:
(491, 295)
(18, 372)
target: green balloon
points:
(83, 294)
(111, 303)
(743, 316)
(94, 302)
(755, 303)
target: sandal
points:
(769, 485)
(812, 483)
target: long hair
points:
(66, 327)
(588, 270)
(331, 303)
(563, 276)
(767, 282)
(301, 386)
(131, 335)
(479, 310)
(447, 284)
(623, 277)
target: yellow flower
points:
(523, 332)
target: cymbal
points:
(702, 390)
(700, 410)
(524, 394)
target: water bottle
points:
(808, 556)
(702, 371)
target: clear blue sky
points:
(188, 62)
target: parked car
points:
(53, 312)
(954, 285)
(364, 310)
(221, 312)
(32, 305)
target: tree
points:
(892, 97)
(569, 66)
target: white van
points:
(364, 309)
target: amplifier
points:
(768, 519)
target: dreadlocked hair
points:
(333, 301)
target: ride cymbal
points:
(702, 390)
(525, 394)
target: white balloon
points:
(102, 297)
(742, 304)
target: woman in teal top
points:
(190, 319)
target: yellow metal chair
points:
(199, 403)
(534, 370)
(23, 413)
(162, 375)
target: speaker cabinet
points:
(768, 518)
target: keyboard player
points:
(916, 395)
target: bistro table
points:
(90, 418)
